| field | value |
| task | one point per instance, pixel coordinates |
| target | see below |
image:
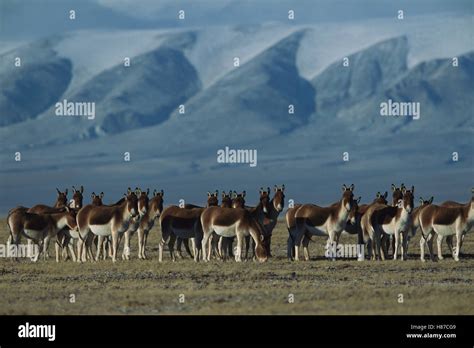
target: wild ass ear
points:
(82, 189)
(233, 194)
(59, 192)
(154, 192)
(351, 188)
(101, 195)
(93, 195)
(268, 190)
(404, 190)
(162, 193)
(261, 190)
(393, 187)
(223, 194)
(73, 189)
(217, 193)
(344, 187)
(129, 190)
(65, 192)
(147, 191)
(378, 195)
(244, 193)
(413, 189)
(421, 200)
(385, 194)
(402, 186)
(283, 187)
(358, 199)
(275, 188)
(431, 200)
(137, 191)
(208, 194)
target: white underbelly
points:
(445, 230)
(317, 230)
(101, 230)
(35, 234)
(388, 228)
(225, 231)
(72, 234)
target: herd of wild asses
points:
(211, 230)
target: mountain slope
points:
(31, 88)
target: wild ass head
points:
(381, 198)
(213, 199)
(156, 203)
(397, 194)
(265, 199)
(279, 198)
(226, 201)
(238, 199)
(354, 210)
(406, 202)
(347, 200)
(131, 202)
(97, 199)
(61, 200)
(142, 200)
(70, 216)
(76, 201)
(426, 201)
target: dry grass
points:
(319, 286)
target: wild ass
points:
(230, 222)
(61, 202)
(445, 221)
(155, 208)
(183, 223)
(390, 220)
(258, 213)
(271, 217)
(322, 221)
(40, 227)
(107, 221)
(135, 222)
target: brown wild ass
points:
(230, 222)
(445, 221)
(107, 221)
(135, 222)
(323, 221)
(155, 208)
(390, 220)
(40, 227)
(184, 223)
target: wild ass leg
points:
(305, 244)
(439, 241)
(397, 244)
(238, 256)
(126, 246)
(100, 241)
(171, 247)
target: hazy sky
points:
(28, 19)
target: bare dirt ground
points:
(319, 286)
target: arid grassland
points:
(319, 286)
